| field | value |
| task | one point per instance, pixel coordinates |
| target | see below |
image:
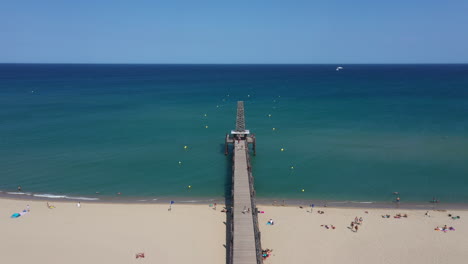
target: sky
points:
(255, 31)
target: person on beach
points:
(398, 199)
(78, 205)
(427, 214)
(28, 208)
(356, 228)
(214, 208)
(352, 225)
(356, 220)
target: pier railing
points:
(230, 219)
(257, 233)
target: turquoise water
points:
(357, 134)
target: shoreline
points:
(222, 200)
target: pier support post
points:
(254, 146)
(226, 146)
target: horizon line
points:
(166, 63)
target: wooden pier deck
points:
(245, 246)
(244, 249)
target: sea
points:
(149, 132)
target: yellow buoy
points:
(206, 126)
(292, 167)
(282, 149)
(185, 147)
(303, 190)
(190, 186)
(274, 128)
(205, 115)
(269, 115)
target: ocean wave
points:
(46, 195)
(54, 196)
(19, 193)
(82, 198)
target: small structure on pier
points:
(240, 133)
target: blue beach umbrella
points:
(15, 215)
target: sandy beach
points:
(111, 233)
(114, 233)
(298, 237)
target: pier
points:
(243, 232)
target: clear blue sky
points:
(255, 31)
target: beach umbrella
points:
(15, 215)
(170, 205)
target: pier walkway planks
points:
(244, 247)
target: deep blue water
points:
(357, 134)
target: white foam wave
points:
(52, 196)
(19, 193)
(82, 198)
(142, 200)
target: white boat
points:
(339, 68)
